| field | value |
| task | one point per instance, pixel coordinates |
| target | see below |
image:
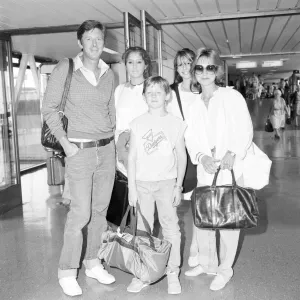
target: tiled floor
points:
(267, 266)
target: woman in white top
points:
(182, 79)
(219, 132)
(129, 100)
(184, 97)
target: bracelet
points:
(179, 187)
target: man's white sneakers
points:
(70, 286)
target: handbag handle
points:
(66, 86)
(214, 183)
(178, 99)
(133, 222)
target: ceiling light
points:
(272, 63)
(246, 64)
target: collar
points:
(78, 64)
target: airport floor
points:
(267, 265)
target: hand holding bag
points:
(224, 207)
(135, 251)
(48, 140)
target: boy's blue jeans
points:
(161, 193)
(91, 174)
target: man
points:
(90, 150)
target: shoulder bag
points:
(224, 207)
(135, 251)
(190, 178)
(268, 125)
(48, 140)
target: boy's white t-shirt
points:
(156, 138)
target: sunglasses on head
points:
(210, 69)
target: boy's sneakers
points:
(70, 286)
(98, 272)
(136, 285)
(174, 286)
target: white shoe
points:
(136, 285)
(193, 261)
(99, 273)
(70, 286)
(220, 281)
(195, 271)
(174, 287)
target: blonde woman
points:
(219, 133)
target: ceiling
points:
(252, 30)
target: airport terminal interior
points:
(259, 43)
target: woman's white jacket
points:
(233, 132)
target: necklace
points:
(136, 84)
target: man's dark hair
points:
(89, 25)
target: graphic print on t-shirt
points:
(153, 141)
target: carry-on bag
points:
(224, 207)
(56, 170)
(269, 126)
(190, 177)
(135, 251)
(48, 140)
(119, 201)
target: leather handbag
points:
(48, 140)
(135, 251)
(119, 201)
(190, 177)
(224, 207)
(55, 170)
(269, 126)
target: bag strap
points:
(67, 86)
(178, 99)
(214, 184)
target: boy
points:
(156, 168)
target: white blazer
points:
(233, 131)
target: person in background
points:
(277, 113)
(219, 133)
(156, 168)
(281, 87)
(181, 88)
(286, 92)
(129, 101)
(295, 102)
(90, 152)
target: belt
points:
(99, 143)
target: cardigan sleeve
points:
(120, 124)
(52, 99)
(194, 136)
(240, 126)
